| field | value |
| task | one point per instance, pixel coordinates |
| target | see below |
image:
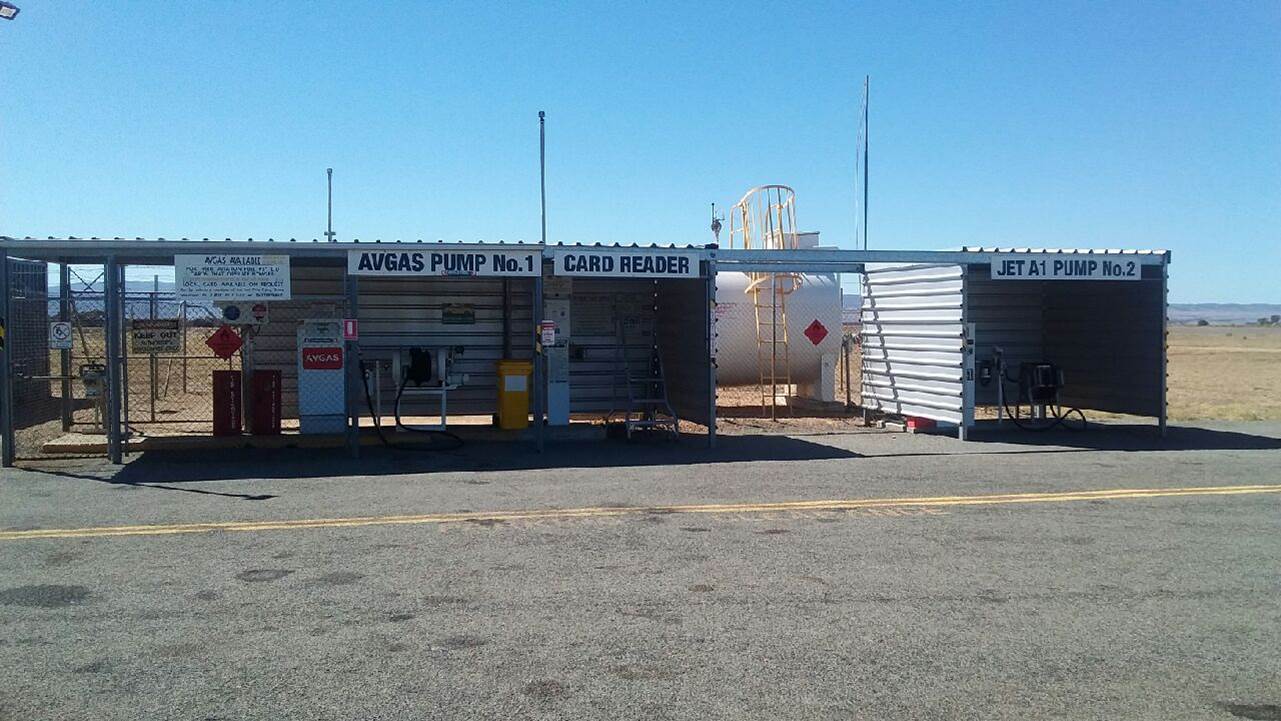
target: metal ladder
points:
(773, 351)
(647, 404)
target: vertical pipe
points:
(507, 318)
(540, 392)
(152, 364)
(183, 325)
(64, 360)
(354, 379)
(6, 378)
(113, 308)
(122, 292)
(711, 349)
(867, 131)
(329, 224)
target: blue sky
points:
(1031, 124)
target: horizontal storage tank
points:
(818, 299)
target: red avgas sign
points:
(322, 359)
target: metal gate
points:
(917, 353)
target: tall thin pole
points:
(329, 227)
(542, 167)
(867, 86)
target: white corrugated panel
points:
(913, 335)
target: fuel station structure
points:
(415, 334)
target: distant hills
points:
(1222, 313)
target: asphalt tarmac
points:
(1104, 575)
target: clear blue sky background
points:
(1043, 124)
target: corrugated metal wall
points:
(1008, 315)
(684, 341)
(400, 312)
(1109, 339)
(597, 307)
(404, 312)
(1107, 336)
(914, 341)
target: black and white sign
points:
(502, 262)
(231, 277)
(615, 263)
(1065, 267)
(154, 336)
(60, 335)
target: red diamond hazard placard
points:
(224, 342)
(816, 332)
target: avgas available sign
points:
(499, 262)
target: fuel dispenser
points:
(322, 394)
(1038, 386)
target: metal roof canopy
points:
(818, 260)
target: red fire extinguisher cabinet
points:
(266, 403)
(226, 403)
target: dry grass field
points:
(1225, 373)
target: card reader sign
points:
(322, 359)
(1065, 267)
(639, 263)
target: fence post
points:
(113, 309)
(153, 366)
(6, 379)
(64, 356)
(183, 326)
(354, 376)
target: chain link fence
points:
(788, 354)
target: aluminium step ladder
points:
(646, 403)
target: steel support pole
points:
(113, 309)
(354, 379)
(540, 390)
(711, 351)
(64, 356)
(6, 378)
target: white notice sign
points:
(637, 263)
(499, 262)
(1065, 267)
(231, 277)
(60, 335)
(154, 336)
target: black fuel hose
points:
(1057, 413)
(454, 441)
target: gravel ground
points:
(1131, 608)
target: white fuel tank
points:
(818, 299)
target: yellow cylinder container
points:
(513, 394)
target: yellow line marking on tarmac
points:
(605, 512)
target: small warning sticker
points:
(816, 332)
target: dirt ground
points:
(1225, 373)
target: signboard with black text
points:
(231, 277)
(628, 263)
(499, 262)
(1065, 267)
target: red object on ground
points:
(915, 423)
(224, 342)
(226, 403)
(816, 332)
(265, 403)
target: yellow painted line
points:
(601, 512)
